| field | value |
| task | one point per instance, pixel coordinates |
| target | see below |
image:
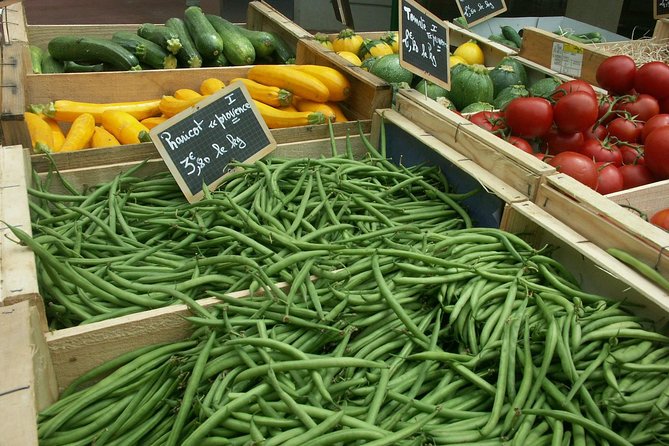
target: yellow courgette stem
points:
(274, 96)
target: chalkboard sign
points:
(476, 11)
(661, 9)
(424, 43)
(198, 144)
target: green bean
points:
(591, 426)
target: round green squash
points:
(477, 107)
(511, 92)
(432, 90)
(508, 72)
(545, 87)
(471, 84)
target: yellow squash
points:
(67, 111)
(304, 105)
(80, 133)
(470, 52)
(58, 135)
(103, 138)
(270, 95)
(41, 135)
(186, 93)
(275, 118)
(338, 84)
(347, 40)
(289, 78)
(211, 85)
(153, 121)
(170, 106)
(324, 40)
(125, 127)
(351, 57)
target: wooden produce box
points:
(606, 220)
(562, 54)
(367, 94)
(520, 170)
(59, 357)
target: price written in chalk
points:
(476, 11)
(424, 46)
(661, 9)
(200, 144)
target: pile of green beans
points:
(134, 243)
(465, 337)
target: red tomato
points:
(653, 78)
(632, 153)
(521, 143)
(656, 153)
(616, 74)
(491, 121)
(609, 179)
(664, 105)
(624, 129)
(661, 219)
(529, 117)
(557, 141)
(601, 152)
(598, 132)
(635, 175)
(641, 106)
(653, 123)
(577, 166)
(575, 112)
(542, 156)
(572, 86)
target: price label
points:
(424, 43)
(567, 59)
(476, 11)
(199, 143)
(661, 9)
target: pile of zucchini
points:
(194, 41)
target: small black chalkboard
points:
(661, 9)
(476, 11)
(198, 144)
(424, 43)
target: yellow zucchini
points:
(67, 111)
(275, 118)
(186, 93)
(338, 84)
(41, 135)
(80, 133)
(339, 113)
(153, 121)
(274, 96)
(58, 135)
(305, 105)
(103, 138)
(211, 85)
(170, 106)
(299, 83)
(125, 127)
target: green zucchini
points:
(511, 34)
(218, 61)
(263, 42)
(238, 49)
(147, 52)
(93, 50)
(188, 56)
(282, 51)
(208, 41)
(70, 66)
(51, 65)
(36, 55)
(161, 35)
(503, 41)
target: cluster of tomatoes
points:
(610, 142)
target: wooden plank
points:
(14, 23)
(12, 87)
(139, 152)
(40, 35)
(28, 379)
(18, 273)
(490, 182)
(538, 44)
(604, 222)
(646, 199)
(661, 30)
(596, 270)
(519, 170)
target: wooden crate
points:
(60, 356)
(661, 31)
(544, 47)
(367, 92)
(604, 220)
(520, 170)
